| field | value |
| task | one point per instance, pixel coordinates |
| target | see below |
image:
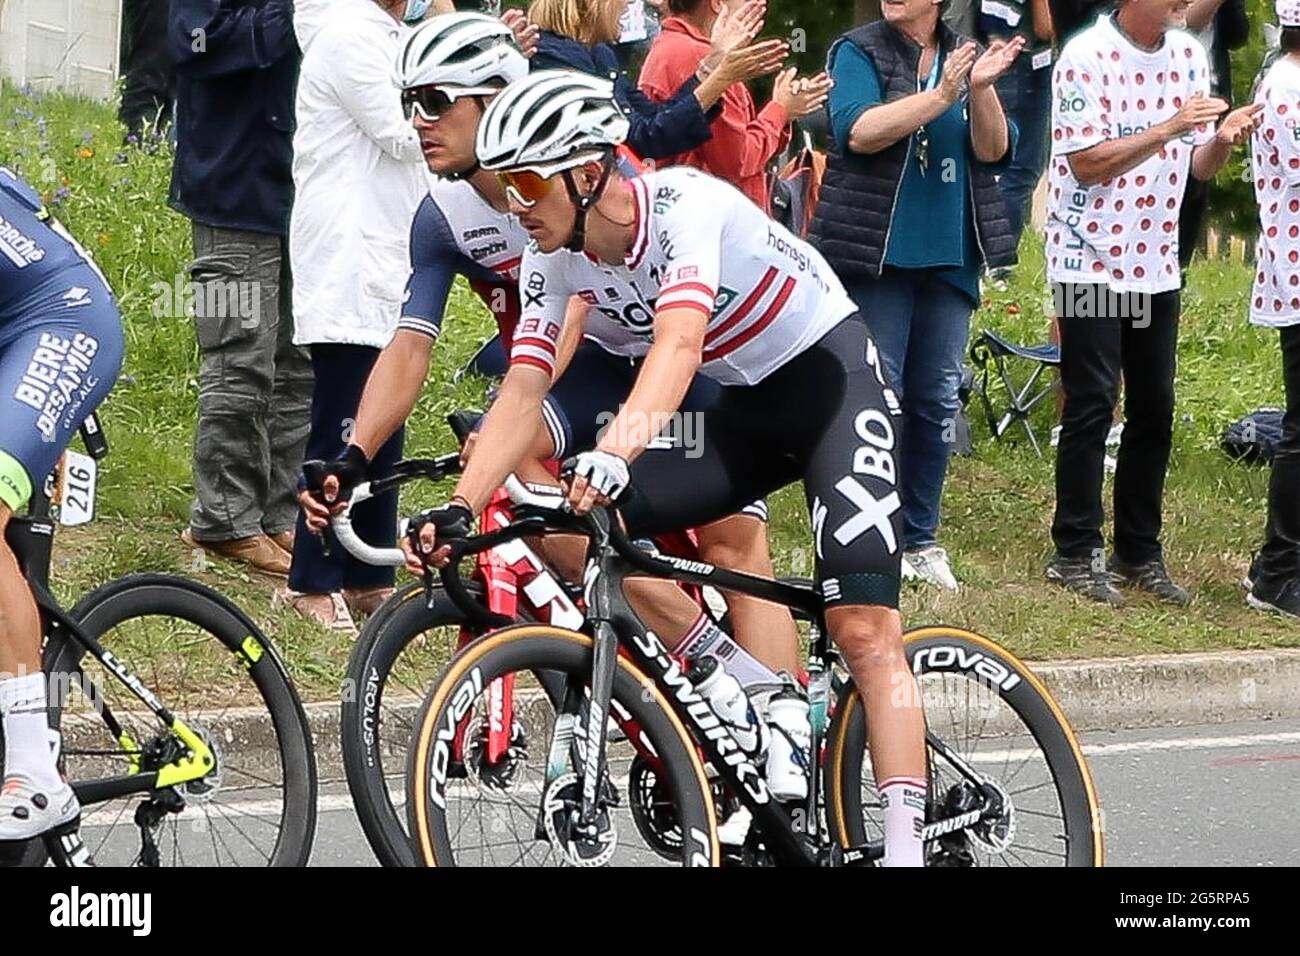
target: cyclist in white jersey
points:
(449, 69)
(685, 271)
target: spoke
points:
(273, 784)
(234, 698)
(1038, 813)
(1006, 781)
(240, 831)
(1017, 857)
(217, 836)
(108, 832)
(228, 809)
(1038, 786)
(1038, 849)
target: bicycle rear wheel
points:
(648, 816)
(212, 668)
(992, 717)
(400, 652)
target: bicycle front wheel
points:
(654, 805)
(997, 740)
(211, 667)
(399, 653)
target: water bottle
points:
(819, 685)
(787, 755)
(730, 703)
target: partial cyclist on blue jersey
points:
(61, 349)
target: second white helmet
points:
(473, 52)
(550, 121)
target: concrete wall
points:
(64, 44)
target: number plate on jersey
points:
(77, 491)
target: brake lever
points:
(413, 538)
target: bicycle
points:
(412, 636)
(211, 750)
(679, 765)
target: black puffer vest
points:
(852, 222)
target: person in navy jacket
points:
(577, 35)
(236, 64)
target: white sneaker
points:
(27, 812)
(733, 830)
(931, 565)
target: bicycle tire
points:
(143, 596)
(384, 638)
(533, 647)
(1029, 699)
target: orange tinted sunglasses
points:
(526, 187)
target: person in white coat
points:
(359, 175)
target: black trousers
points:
(1135, 336)
(1279, 559)
(148, 88)
(341, 373)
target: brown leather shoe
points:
(284, 539)
(257, 551)
(366, 601)
(330, 611)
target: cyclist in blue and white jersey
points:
(61, 347)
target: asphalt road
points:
(1212, 795)
(1209, 795)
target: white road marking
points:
(1145, 746)
(334, 803)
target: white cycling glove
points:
(606, 473)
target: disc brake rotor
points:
(589, 845)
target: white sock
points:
(706, 639)
(27, 731)
(903, 799)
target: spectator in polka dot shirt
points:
(1132, 119)
(1275, 302)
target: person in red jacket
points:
(745, 138)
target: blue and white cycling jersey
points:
(61, 340)
(457, 232)
(36, 253)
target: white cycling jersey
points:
(702, 245)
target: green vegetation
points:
(113, 198)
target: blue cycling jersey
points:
(457, 232)
(35, 252)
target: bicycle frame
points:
(31, 537)
(615, 626)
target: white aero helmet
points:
(550, 121)
(470, 51)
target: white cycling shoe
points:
(27, 811)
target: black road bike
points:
(630, 765)
(201, 757)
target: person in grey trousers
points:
(236, 65)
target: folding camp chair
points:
(989, 352)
